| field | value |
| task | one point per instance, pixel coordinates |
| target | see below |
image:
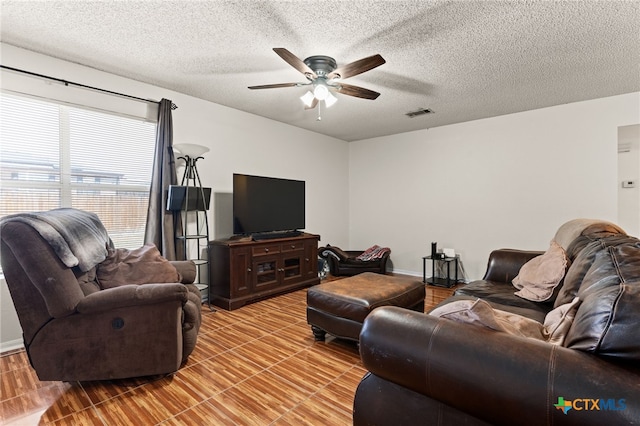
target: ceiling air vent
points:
(421, 111)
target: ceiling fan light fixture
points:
(321, 71)
(321, 91)
(307, 98)
(330, 100)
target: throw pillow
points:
(140, 266)
(541, 275)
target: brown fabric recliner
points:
(346, 262)
(74, 331)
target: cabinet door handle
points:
(248, 269)
(293, 246)
(266, 250)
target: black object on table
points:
(440, 281)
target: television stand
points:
(243, 271)
(275, 234)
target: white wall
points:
(507, 181)
(239, 142)
(629, 170)
(245, 143)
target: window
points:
(54, 155)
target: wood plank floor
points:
(257, 365)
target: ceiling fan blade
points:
(274, 86)
(294, 61)
(314, 103)
(357, 67)
(358, 92)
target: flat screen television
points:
(265, 204)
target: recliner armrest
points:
(187, 270)
(492, 375)
(132, 295)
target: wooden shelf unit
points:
(242, 271)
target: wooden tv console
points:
(242, 271)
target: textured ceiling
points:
(465, 60)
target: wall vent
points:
(421, 111)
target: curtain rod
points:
(84, 86)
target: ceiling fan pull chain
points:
(319, 107)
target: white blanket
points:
(78, 237)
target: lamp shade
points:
(320, 92)
(190, 149)
(330, 100)
(307, 98)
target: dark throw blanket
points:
(78, 237)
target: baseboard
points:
(414, 274)
(11, 345)
(403, 272)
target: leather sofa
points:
(346, 262)
(424, 369)
(74, 329)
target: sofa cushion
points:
(87, 280)
(139, 266)
(584, 250)
(607, 321)
(479, 312)
(500, 296)
(554, 329)
(539, 277)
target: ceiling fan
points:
(323, 73)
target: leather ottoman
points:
(340, 307)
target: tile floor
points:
(258, 365)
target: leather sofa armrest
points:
(332, 252)
(132, 295)
(504, 264)
(492, 375)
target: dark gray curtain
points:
(162, 228)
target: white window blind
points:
(55, 155)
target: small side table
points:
(440, 281)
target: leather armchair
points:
(73, 331)
(425, 370)
(346, 262)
